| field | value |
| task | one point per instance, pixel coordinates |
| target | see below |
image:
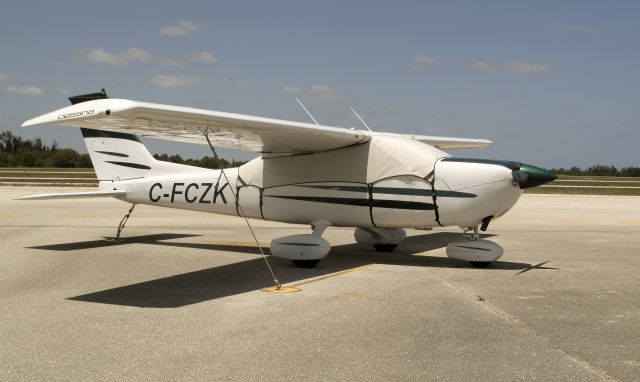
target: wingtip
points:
(30, 122)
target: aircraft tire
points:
(385, 247)
(305, 263)
(480, 264)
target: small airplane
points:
(321, 176)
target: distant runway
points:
(179, 298)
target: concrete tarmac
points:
(179, 298)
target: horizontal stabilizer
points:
(76, 195)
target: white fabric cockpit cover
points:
(384, 156)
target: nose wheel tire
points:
(305, 263)
(385, 247)
(480, 264)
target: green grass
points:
(46, 169)
(20, 175)
(584, 191)
(590, 185)
(48, 177)
(596, 184)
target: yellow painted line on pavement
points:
(296, 287)
(321, 278)
(282, 289)
(75, 216)
(248, 244)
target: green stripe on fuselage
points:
(395, 191)
(397, 204)
(132, 165)
(93, 133)
(112, 153)
(504, 163)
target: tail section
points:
(118, 156)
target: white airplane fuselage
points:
(456, 193)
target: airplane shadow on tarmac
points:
(246, 276)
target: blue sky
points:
(552, 83)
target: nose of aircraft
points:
(531, 176)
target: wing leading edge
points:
(187, 124)
(237, 131)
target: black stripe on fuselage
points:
(132, 165)
(397, 204)
(113, 153)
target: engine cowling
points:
(300, 247)
(474, 250)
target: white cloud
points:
(424, 60)
(322, 93)
(241, 84)
(136, 54)
(100, 56)
(576, 28)
(484, 66)
(517, 67)
(3, 77)
(168, 61)
(290, 89)
(64, 91)
(141, 55)
(29, 90)
(127, 56)
(183, 28)
(523, 67)
(204, 56)
(165, 81)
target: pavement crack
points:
(481, 301)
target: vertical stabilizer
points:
(118, 156)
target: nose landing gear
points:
(478, 252)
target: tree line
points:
(16, 151)
(598, 170)
(206, 161)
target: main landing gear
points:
(306, 250)
(478, 252)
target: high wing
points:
(187, 124)
(450, 142)
(237, 131)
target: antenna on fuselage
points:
(305, 109)
(361, 120)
